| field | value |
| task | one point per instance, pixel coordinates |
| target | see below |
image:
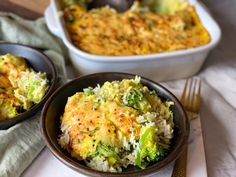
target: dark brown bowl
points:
(54, 108)
(39, 62)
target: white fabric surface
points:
(219, 95)
(218, 109)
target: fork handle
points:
(180, 166)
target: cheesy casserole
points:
(118, 124)
(137, 31)
(20, 86)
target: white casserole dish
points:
(159, 67)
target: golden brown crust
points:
(106, 32)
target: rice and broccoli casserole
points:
(20, 86)
(117, 124)
(149, 26)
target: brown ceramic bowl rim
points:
(91, 172)
(27, 114)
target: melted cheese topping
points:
(106, 32)
(109, 123)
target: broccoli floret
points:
(164, 6)
(7, 110)
(107, 152)
(148, 147)
(135, 99)
(32, 87)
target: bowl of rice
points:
(114, 124)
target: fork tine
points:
(185, 99)
(197, 97)
(191, 95)
(184, 94)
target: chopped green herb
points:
(153, 93)
(83, 132)
(93, 131)
(89, 91)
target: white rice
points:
(101, 164)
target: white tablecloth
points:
(219, 94)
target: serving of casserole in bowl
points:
(160, 39)
(114, 124)
(27, 78)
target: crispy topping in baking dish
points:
(141, 30)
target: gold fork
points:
(191, 101)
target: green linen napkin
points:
(20, 144)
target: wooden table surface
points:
(30, 9)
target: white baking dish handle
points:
(51, 21)
(194, 2)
